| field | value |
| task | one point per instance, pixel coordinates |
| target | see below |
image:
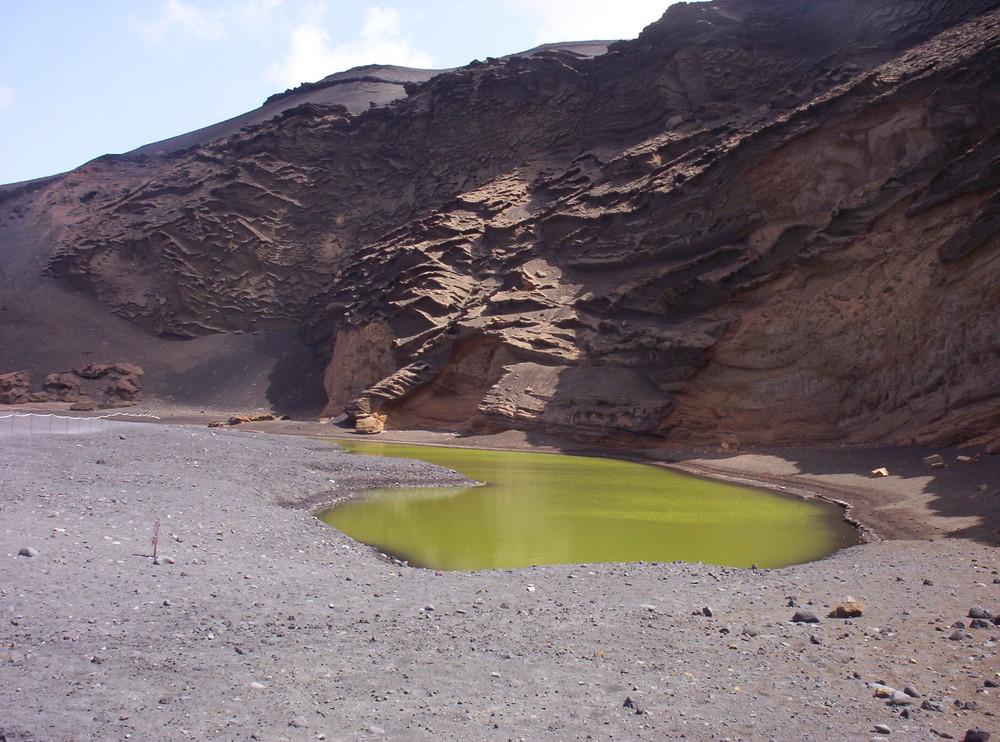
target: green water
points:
(553, 509)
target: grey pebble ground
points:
(270, 625)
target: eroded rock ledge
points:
(765, 221)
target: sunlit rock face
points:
(773, 221)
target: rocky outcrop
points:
(92, 386)
(15, 387)
(767, 221)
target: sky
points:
(82, 78)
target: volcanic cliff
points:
(761, 220)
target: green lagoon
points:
(538, 508)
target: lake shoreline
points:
(914, 502)
(556, 508)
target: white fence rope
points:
(37, 423)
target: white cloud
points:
(6, 97)
(187, 18)
(311, 57)
(589, 19)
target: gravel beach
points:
(262, 623)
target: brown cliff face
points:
(773, 221)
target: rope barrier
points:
(81, 417)
(70, 423)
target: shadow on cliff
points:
(952, 492)
(295, 382)
(274, 370)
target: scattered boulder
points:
(94, 370)
(976, 735)
(967, 459)
(14, 387)
(804, 617)
(848, 609)
(899, 698)
(62, 387)
(125, 389)
(934, 461)
(240, 419)
(880, 472)
(28, 551)
(372, 424)
(977, 611)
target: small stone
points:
(299, 723)
(706, 611)
(161, 560)
(848, 609)
(257, 686)
(957, 635)
(804, 617)
(880, 472)
(882, 729)
(976, 735)
(990, 683)
(928, 582)
(979, 623)
(429, 608)
(934, 461)
(749, 630)
(813, 639)
(911, 691)
(28, 551)
(898, 698)
(494, 674)
(977, 611)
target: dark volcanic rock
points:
(760, 221)
(804, 617)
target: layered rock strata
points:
(766, 221)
